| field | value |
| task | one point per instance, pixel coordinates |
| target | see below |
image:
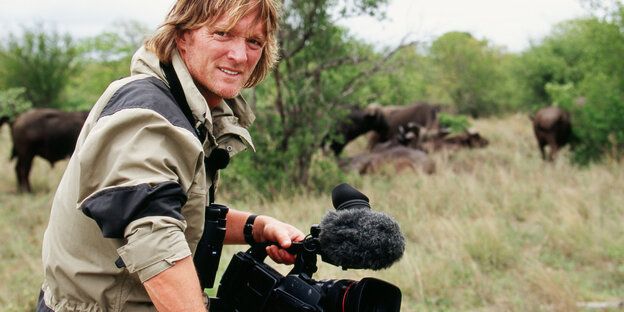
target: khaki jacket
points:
(134, 190)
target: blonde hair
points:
(192, 14)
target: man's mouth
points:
(229, 72)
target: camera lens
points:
(367, 295)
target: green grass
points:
(494, 229)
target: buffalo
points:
(398, 157)
(407, 135)
(48, 133)
(394, 153)
(552, 127)
(358, 122)
(468, 139)
(419, 113)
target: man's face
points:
(221, 61)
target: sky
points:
(508, 23)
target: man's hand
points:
(269, 229)
(265, 229)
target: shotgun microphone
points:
(355, 237)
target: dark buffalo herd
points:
(419, 114)
(412, 132)
(47, 133)
(399, 137)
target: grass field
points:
(494, 229)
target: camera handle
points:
(305, 250)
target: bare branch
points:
(352, 85)
(334, 63)
(311, 17)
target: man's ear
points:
(182, 40)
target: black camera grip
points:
(208, 251)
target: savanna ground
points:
(495, 229)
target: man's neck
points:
(212, 103)
(212, 99)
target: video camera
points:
(353, 236)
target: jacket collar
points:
(146, 62)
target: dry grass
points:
(495, 229)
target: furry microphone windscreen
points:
(360, 239)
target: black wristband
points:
(248, 230)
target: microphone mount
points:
(306, 251)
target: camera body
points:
(249, 284)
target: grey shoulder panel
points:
(149, 93)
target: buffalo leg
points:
(552, 144)
(22, 169)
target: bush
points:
(597, 109)
(457, 123)
(599, 124)
(40, 61)
(13, 103)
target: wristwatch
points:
(248, 230)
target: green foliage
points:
(105, 58)
(322, 72)
(40, 61)
(269, 172)
(465, 72)
(12, 103)
(599, 124)
(405, 79)
(457, 123)
(561, 95)
(325, 175)
(590, 84)
(120, 43)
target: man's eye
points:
(256, 43)
(220, 33)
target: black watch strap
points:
(248, 230)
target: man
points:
(129, 211)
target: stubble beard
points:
(212, 92)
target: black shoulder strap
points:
(178, 94)
(180, 99)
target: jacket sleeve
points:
(154, 245)
(135, 170)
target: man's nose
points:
(238, 49)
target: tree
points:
(320, 71)
(105, 57)
(408, 81)
(466, 72)
(599, 123)
(583, 59)
(12, 103)
(40, 61)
